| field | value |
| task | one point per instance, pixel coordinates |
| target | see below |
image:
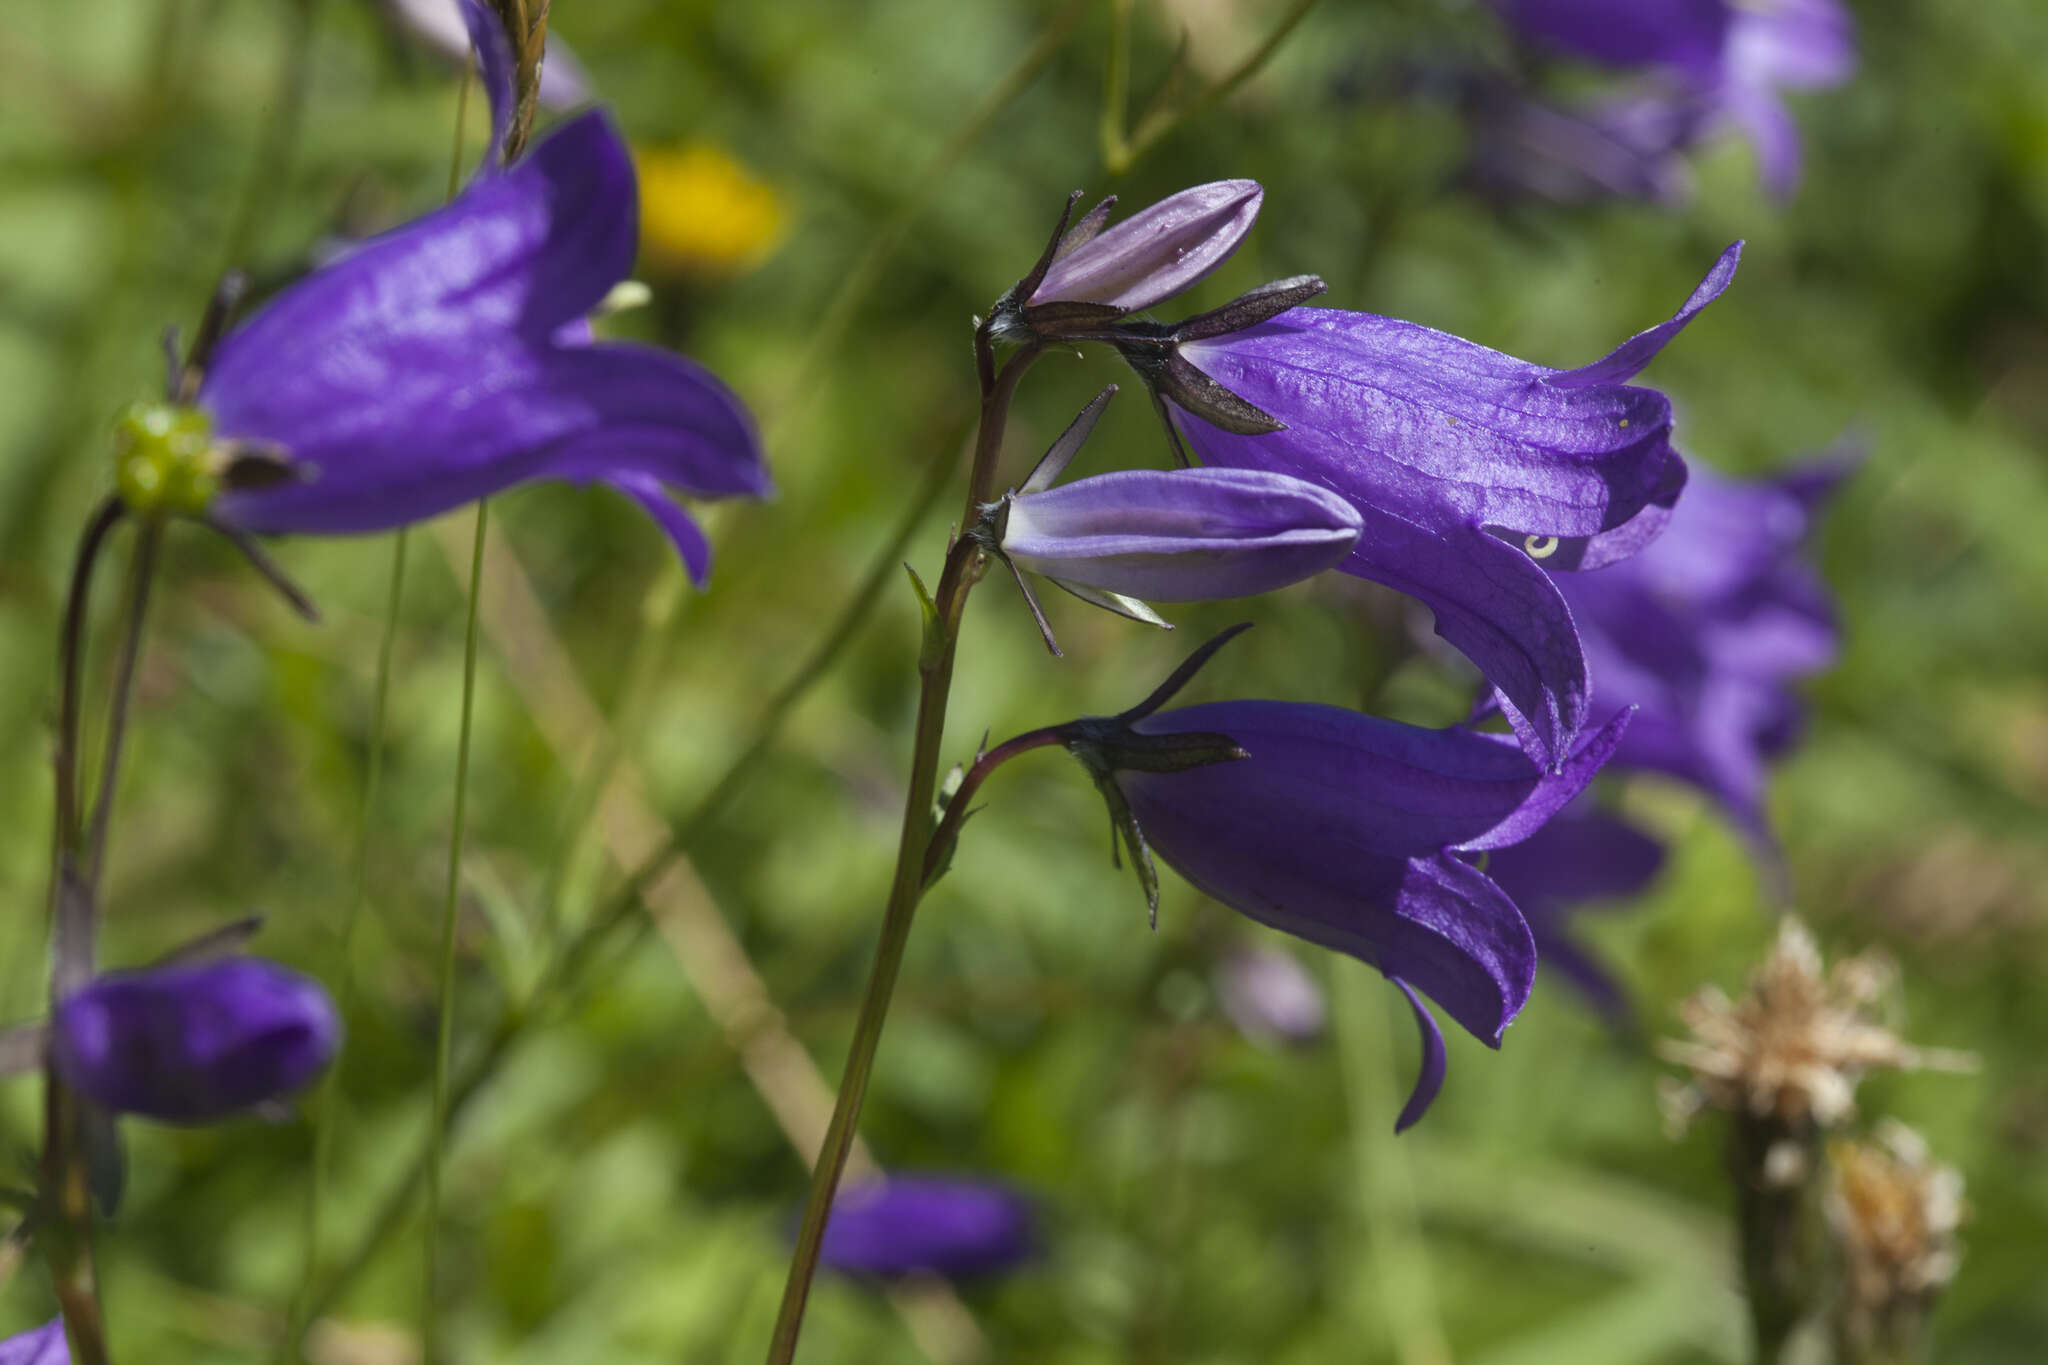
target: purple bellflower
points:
(1584, 856)
(451, 359)
(1628, 146)
(1354, 832)
(194, 1042)
(1089, 277)
(1705, 631)
(1727, 59)
(1476, 474)
(928, 1225)
(1270, 996)
(44, 1345)
(1187, 535)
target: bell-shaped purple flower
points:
(451, 359)
(1705, 632)
(1583, 857)
(1348, 830)
(1628, 146)
(44, 1345)
(1730, 59)
(928, 1225)
(1476, 474)
(194, 1042)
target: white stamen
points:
(1540, 547)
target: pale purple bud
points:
(1185, 535)
(195, 1042)
(1153, 254)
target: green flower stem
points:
(965, 564)
(1162, 117)
(565, 972)
(444, 1039)
(328, 1116)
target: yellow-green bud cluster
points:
(166, 461)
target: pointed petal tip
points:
(1429, 1080)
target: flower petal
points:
(523, 252)
(929, 1225)
(1622, 363)
(1500, 609)
(677, 524)
(1430, 1079)
(493, 48)
(44, 1345)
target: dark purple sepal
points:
(196, 1042)
(1429, 1077)
(928, 1225)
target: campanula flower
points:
(1090, 277)
(451, 359)
(1705, 632)
(1354, 832)
(1628, 146)
(43, 1346)
(1585, 856)
(194, 1042)
(1269, 996)
(1727, 58)
(1476, 474)
(928, 1225)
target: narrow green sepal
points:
(933, 645)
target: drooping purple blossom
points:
(1270, 996)
(1727, 60)
(1705, 632)
(451, 359)
(1624, 146)
(1350, 831)
(194, 1042)
(928, 1225)
(43, 1345)
(1476, 474)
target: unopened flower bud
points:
(194, 1042)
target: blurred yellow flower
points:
(703, 212)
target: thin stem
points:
(445, 1035)
(1116, 88)
(328, 1118)
(957, 807)
(70, 662)
(566, 971)
(142, 572)
(280, 129)
(965, 564)
(1157, 123)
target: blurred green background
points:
(619, 1190)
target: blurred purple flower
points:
(1270, 996)
(1730, 59)
(440, 25)
(1628, 146)
(451, 358)
(1344, 829)
(195, 1042)
(43, 1346)
(1705, 632)
(1475, 473)
(928, 1225)
(1584, 856)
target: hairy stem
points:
(965, 564)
